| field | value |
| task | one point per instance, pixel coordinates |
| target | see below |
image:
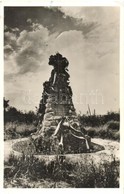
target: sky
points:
(87, 36)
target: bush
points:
(104, 132)
(98, 120)
(25, 130)
(59, 169)
(115, 135)
(11, 114)
(10, 131)
(91, 131)
(29, 166)
(34, 168)
(114, 125)
(83, 174)
(14, 130)
(88, 175)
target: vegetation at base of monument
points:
(11, 114)
(14, 130)
(102, 126)
(103, 132)
(18, 124)
(50, 147)
(30, 172)
(99, 120)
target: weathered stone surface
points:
(50, 100)
(57, 110)
(48, 105)
(48, 115)
(48, 110)
(49, 130)
(47, 123)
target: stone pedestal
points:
(56, 108)
(57, 112)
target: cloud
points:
(10, 65)
(88, 51)
(68, 40)
(88, 37)
(96, 20)
(15, 29)
(54, 19)
(8, 50)
(94, 14)
(30, 49)
(10, 38)
(29, 20)
(93, 66)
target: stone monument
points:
(59, 129)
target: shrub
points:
(25, 130)
(88, 175)
(115, 135)
(14, 130)
(98, 120)
(59, 169)
(114, 125)
(103, 132)
(84, 174)
(12, 115)
(10, 131)
(29, 166)
(91, 131)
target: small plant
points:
(60, 169)
(103, 132)
(83, 174)
(25, 130)
(14, 130)
(88, 175)
(27, 166)
(114, 125)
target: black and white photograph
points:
(61, 98)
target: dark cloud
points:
(10, 39)
(27, 64)
(28, 30)
(32, 46)
(8, 49)
(30, 49)
(88, 37)
(51, 18)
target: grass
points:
(14, 130)
(42, 183)
(98, 120)
(29, 172)
(114, 125)
(110, 130)
(105, 175)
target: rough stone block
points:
(48, 110)
(47, 123)
(48, 115)
(48, 105)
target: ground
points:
(91, 170)
(111, 148)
